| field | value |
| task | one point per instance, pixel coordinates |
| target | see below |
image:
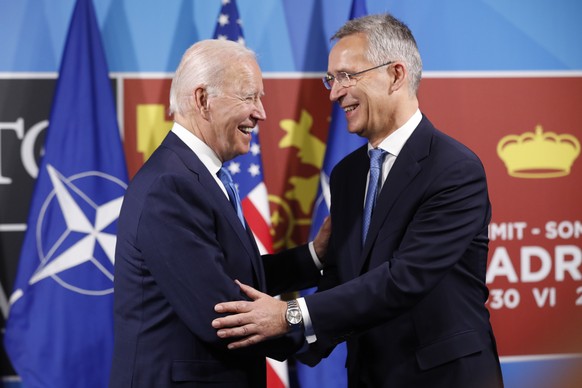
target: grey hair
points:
(204, 65)
(388, 40)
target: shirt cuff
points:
(316, 260)
(309, 333)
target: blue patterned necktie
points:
(376, 158)
(226, 180)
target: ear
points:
(399, 76)
(201, 101)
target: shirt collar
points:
(206, 155)
(395, 141)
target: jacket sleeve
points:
(194, 257)
(290, 270)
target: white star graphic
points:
(255, 149)
(225, 2)
(233, 168)
(76, 221)
(254, 169)
(223, 20)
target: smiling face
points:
(235, 111)
(367, 104)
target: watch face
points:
(294, 316)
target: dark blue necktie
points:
(376, 158)
(226, 180)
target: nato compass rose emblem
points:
(75, 231)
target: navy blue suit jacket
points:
(411, 302)
(180, 246)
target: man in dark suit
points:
(181, 243)
(406, 289)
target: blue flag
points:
(59, 331)
(331, 372)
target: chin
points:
(356, 131)
(243, 151)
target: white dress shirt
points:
(206, 155)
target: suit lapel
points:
(354, 209)
(407, 166)
(245, 236)
(256, 258)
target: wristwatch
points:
(293, 315)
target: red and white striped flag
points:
(247, 173)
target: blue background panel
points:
(293, 36)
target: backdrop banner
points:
(530, 155)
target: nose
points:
(337, 91)
(259, 112)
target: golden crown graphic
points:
(539, 154)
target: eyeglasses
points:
(347, 79)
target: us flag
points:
(247, 173)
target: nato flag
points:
(59, 331)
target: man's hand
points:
(255, 321)
(322, 239)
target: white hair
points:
(388, 40)
(204, 65)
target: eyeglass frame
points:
(347, 76)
